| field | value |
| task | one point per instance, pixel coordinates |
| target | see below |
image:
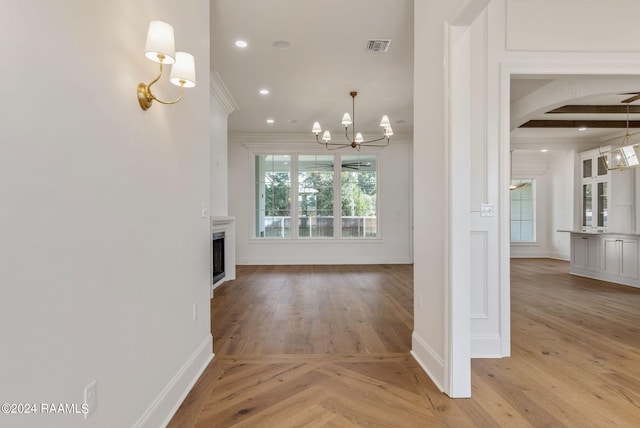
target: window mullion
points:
(337, 196)
(295, 221)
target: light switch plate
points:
(487, 210)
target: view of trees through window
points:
(315, 195)
(318, 205)
(358, 194)
(273, 196)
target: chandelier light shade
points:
(356, 139)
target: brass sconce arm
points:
(146, 97)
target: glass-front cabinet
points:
(595, 190)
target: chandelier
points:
(626, 155)
(356, 140)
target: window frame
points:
(337, 205)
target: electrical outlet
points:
(420, 300)
(91, 398)
(205, 210)
(195, 311)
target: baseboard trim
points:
(430, 362)
(538, 255)
(166, 404)
(486, 346)
(560, 256)
(255, 261)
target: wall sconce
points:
(160, 48)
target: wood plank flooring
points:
(327, 346)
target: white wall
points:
(431, 198)
(394, 209)
(222, 105)
(104, 251)
(561, 203)
(219, 166)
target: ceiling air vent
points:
(378, 45)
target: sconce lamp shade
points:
(346, 119)
(160, 45)
(385, 121)
(326, 136)
(183, 71)
(359, 138)
(388, 131)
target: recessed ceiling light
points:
(293, 120)
(241, 44)
(282, 44)
(264, 91)
(544, 150)
(270, 121)
(582, 128)
(401, 121)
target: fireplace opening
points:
(218, 256)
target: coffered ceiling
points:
(582, 112)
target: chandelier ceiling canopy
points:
(356, 140)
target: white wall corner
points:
(222, 94)
(428, 359)
(560, 256)
(160, 412)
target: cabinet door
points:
(593, 253)
(579, 253)
(629, 258)
(611, 257)
(587, 205)
(602, 205)
(602, 168)
(587, 168)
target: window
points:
(522, 211)
(315, 196)
(273, 196)
(321, 196)
(358, 194)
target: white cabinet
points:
(585, 252)
(594, 189)
(606, 256)
(620, 257)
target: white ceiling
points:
(327, 58)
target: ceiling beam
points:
(595, 109)
(580, 123)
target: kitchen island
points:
(607, 256)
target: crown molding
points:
(222, 94)
(307, 140)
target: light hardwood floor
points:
(327, 346)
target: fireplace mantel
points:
(227, 225)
